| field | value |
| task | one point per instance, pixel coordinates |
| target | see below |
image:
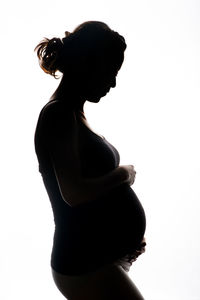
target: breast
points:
(97, 155)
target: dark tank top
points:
(99, 232)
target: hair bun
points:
(55, 45)
(49, 54)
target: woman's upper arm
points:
(61, 140)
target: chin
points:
(94, 99)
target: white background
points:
(151, 117)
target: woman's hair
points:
(90, 42)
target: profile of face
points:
(100, 80)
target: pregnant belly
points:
(127, 215)
(114, 222)
(102, 231)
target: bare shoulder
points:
(56, 109)
(57, 117)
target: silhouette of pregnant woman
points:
(99, 221)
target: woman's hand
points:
(130, 171)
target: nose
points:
(113, 83)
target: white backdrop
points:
(151, 117)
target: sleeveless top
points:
(99, 232)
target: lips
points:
(107, 91)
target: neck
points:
(67, 92)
